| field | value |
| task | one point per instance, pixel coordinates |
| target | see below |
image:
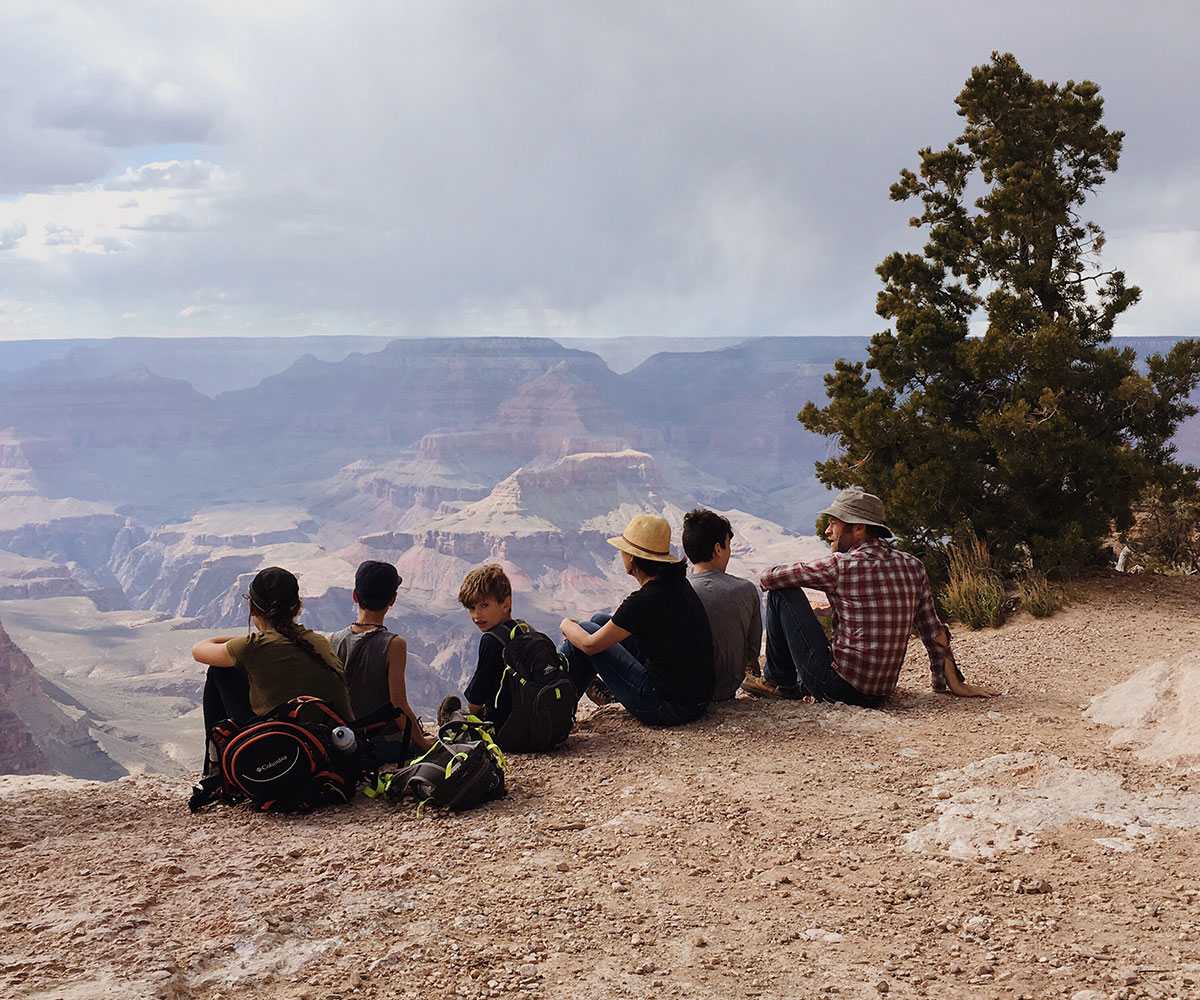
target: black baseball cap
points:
(376, 583)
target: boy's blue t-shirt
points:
(485, 684)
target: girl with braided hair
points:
(252, 674)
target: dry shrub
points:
(1039, 596)
(1165, 536)
(974, 594)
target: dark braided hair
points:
(275, 595)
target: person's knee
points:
(599, 619)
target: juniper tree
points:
(1036, 430)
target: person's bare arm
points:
(397, 660)
(213, 652)
(956, 684)
(607, 636)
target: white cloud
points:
(12, 234)
(109, 244)
(185, 175)
(698, 168)
(119, 107)
(14, 312)
(172, 222)
(100, 219)
(189, 311)
(1166, 266)
(61, 236)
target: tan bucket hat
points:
(857, 507)
(647, 536)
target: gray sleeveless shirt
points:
(364, 655)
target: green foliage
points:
(1038, 432)
(1165, 536)
(1039, 596)
(974, 594)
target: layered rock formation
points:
(36, 735)
(135, 491)
(198, 569)
(22, 578)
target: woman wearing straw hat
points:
(655, 651)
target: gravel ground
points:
(1012, 847)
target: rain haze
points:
(583, 169)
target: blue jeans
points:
(622, 669)
(798, 651)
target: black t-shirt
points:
(485, 684)
(671, 628)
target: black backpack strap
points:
(378, 719)
(206, 791)
(504, 632)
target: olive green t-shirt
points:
(280, 670)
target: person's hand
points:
(956, 684)
(562, 626)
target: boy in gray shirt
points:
(734, 612)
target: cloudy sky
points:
(564, 167)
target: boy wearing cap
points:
(878, 595)
(375, 657)
(655, 652)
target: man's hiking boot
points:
(599, 693)
(450, 704)
(760, 687)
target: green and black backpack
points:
(463, 769)
(542, 697)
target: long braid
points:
(275, 594)
(289, 628)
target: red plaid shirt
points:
(878, 594)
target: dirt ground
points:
(777, 850)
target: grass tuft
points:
(1039, 596)
(975, 592)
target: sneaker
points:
(760, 687)
(450, 704)
(599, 693)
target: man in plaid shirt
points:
(878, 595)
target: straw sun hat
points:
(647, 536)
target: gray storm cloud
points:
(698, 167)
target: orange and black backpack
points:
(299, 757)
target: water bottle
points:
(344, 740)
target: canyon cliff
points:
(36, 735)
(139, 507)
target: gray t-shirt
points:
(736, 620)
